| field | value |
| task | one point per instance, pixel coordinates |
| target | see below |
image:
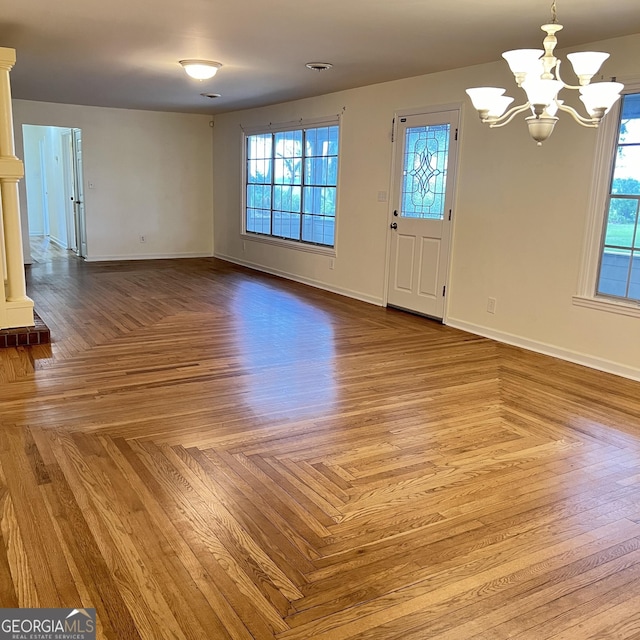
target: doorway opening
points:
(55, 198)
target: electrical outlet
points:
(491, 305)
(332, 263)
(143, 238)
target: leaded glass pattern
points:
(426, 151)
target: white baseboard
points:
(576, 357)
(58, 243)
(356, 295)
(548, 349)
(148, 256)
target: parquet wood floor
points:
(205, 452)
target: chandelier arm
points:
(507, 117)
(566, 86)
(585, 122)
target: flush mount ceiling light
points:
(318, 66)
(211, 95)
(200, 69)
(538, 73)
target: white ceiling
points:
(124, 53)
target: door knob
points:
(394, 225)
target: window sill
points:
(610, 306)
(290, 244)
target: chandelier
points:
(537, 72)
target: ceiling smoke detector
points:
(318, 66)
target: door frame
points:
(77, 153)
(71, 180)
(452, 172)
(69, 189)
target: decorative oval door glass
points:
(425, 172)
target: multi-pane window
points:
(619, 273)
(291, 184)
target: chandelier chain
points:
(554, 13)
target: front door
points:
(423, 188)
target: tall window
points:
(291, 183)
(619, 271)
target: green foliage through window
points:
(291, 184)
(619, 274)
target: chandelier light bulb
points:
(499, 106)
(523, 62)
(601, 96)
(552, 108)
(484, 98)
(541, 92)
(586, 64)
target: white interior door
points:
(423, 188)
(68, 172)
(81, 232)
(45, 188)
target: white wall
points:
(152, 177)
(519, 222)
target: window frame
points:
(605, 153)
(272, 128)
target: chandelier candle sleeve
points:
(537, 72)
(523, 62)
(541, 93)
(598, 98)
(586, 64)
(486, 100)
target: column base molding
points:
(36, 335)
(18, 314)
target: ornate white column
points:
(18, 308)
